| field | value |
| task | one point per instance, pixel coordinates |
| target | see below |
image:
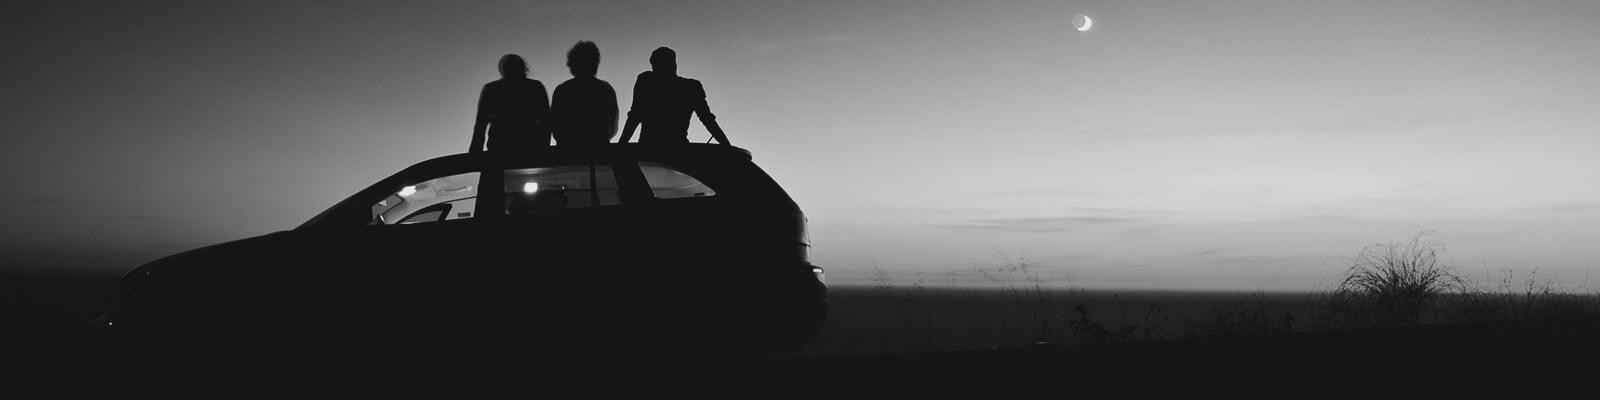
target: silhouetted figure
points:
(662, 101)
(511, 111)
(583, 110)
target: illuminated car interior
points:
(528, 191)
(540, 190)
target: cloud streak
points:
(1571, 208)
(1044, 224)
(1370, 123)
(51, 201)
(145, 219)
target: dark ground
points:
(44, 313)
(37, 298)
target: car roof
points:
(697, 152)
(687, 151)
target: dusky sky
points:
(1179, 144)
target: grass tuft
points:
(1392, 284)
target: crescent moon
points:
(1084, 25)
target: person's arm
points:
(554, 119)
(541, 127)
(611, 111)
(708, 119)
(633, 121)
(627, 129)
(481, 123)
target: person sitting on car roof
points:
(662, 102)
(511, 110)
(583, 110)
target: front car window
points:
(425, 216)
(557, 188)
(440, 199)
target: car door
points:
(562, 227)
(402, 255)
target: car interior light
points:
(530, 187)
(408, 190)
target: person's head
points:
(584, 59)
(512, 66)
(664, 60)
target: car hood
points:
(198, 256)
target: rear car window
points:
(667, 182)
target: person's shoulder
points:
(693, 85)
(655, 78)
(518, 84)
(591, 83)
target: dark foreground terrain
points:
(1457, 357)
(876, 337)
(1237, 340)
(1478, 345)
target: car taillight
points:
(805, 233)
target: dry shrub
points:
(1393, 284)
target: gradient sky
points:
(1236, 145)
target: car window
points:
(424, 216)
(439, 199)
(667, 182)
(557, 188)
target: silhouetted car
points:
(642, 249)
